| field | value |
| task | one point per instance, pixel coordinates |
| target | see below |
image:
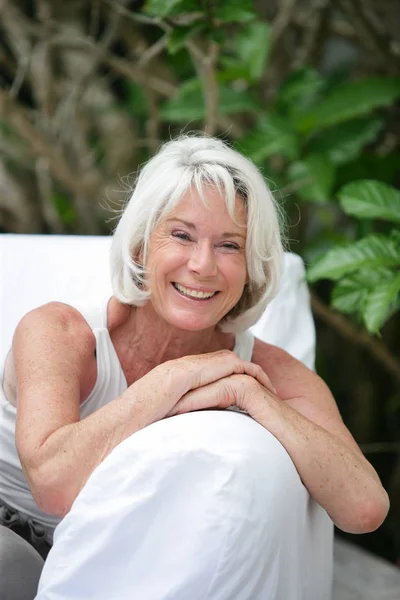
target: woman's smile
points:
(194, 293)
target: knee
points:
(20, 567)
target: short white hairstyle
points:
(182, 164)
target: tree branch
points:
(368, 35)
(313, 21)
(374, 347)
(21, 123)
(282, 20)
(45, 185)
(378, 447)
(205, 65)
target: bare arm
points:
(304, 417)
(337, 476)
(53, 352)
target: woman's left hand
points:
(235, 390)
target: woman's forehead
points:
(211, 204)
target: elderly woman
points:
(195, 259)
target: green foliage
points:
(166, 8)
(299, 91)
(273, 135)
(371, 200)
(372, 251)
(368, 271)
(348, 101)
(315, 175)
(64, 208)
(252, 47)
(345, 141)
(372, 293)
(189, 104)
(180, 35)
(234, 11)
(224, 11)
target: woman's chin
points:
(186, 321)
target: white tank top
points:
(110, 383)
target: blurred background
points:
(308, 89)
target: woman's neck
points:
(142, 334)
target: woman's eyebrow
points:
(187, 223)
(226, 234)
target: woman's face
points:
(196, 263)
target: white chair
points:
(203, 506)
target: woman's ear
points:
(138, 256)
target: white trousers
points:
(202, 506)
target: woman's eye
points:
(181, 235)
(230, 246)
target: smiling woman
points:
(196, 174)
(196, 267)
(195, 259)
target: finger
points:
(219, 394)
(260, 375)
(206, 368)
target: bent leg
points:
(206, 506)
(20, 567)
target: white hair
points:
(180, 165)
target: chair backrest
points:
(35, 269)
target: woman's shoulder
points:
(50, 313)
(58, 323)
(285, 371)
(54, 342)
(266, 353)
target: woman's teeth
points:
(193, 293)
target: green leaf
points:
(370, 252)
(300, 89)
(380, 303)
(368, 199)
(395, 236)
(348, 101)
(232, 70)
(232, 101)
(161, 8)
(315, 177)
(348, 296)
(231, 11)
(189, 103)
(252, 46)
(179, 36)
(273, 135)
(344, 142)
(349, 293)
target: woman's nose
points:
(202, 260)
